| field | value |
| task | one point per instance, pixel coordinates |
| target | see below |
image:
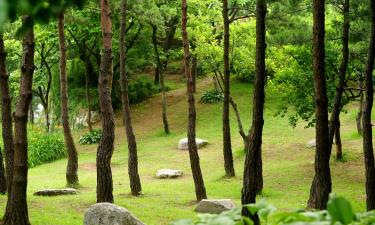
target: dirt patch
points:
(88, 166)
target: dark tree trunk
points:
(161, 79)
(18, 210)
(334, 125)
(338, 142)
(31, 114)
(227, 145)
(200, 190)
(360, 106)
(3, 181)
(135, 182)
(72, 167)
(89, 69)
(7, 126)
(253, 177)
(3, 73)
(321, 186)
(366, 118)
(157, 75)
(105, 150)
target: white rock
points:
(168, 173)
(311, 143)
(56, 192)
(183, 143)
(214, 206)
(109, 214)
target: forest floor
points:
(288, 163)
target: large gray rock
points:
(56, 192)
(214, 206)
(168, 173)
(183, 143)
(109, 214)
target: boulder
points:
(214, 206)
(168, 173)
(56, 192)
(311, 144)
(109, 214)
(183, 143)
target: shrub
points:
(91, 137)
(339, 211)
(212, 96)
(141, 89)
(45, 147)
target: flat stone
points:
(214, 206)
(168, 173)
(109, 214)
(183, 143)
(311, 144)
(56, 192)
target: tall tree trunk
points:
(157, 75)
(88, 68)
(7, 126)
(253, 176)
(200, 190)
(338, 142)
(366, 118)
(135, 182)
(46, 115)
(105, 150)
(31, 114)
(72, 167)
(337, 106)
(18, 212)
(321, 185)
(161, 79)
(360, 106)
(3, 181)
(227, 145)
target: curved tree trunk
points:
(19, 213)
(105, 150)
(7, 126)
(322, 185)
(135, 182)
(366, 118)
(200, 190)
(253, 176)
(227, 145)
(72, 167)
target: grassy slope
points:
(288, 164)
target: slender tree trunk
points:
(135, 182)
(337, 106)
(7, 126)
(46, 115)
(338, 142)
(104, 187)
(18, 210)
(227, 145)
(366, 118)
(157, 75)
(253, 177)
(200, 190)
(161, 79)
(72, 167)
(31, 114)
(321, 186)
(3, 181)
(88, 95)
(360, 108)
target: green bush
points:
(212, 96)
(44, 147)
(91, 137)
(141, 89)
(339, 212)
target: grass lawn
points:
(287, 163)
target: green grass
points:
(288, 164)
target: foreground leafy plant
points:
(212, 96)
(91, 137)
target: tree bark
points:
(200, 189)
(338, 143)
(366, 118)
(135, 182)
(104, 187)
(7, 126)
(161, 79)
(227, 144)
(360, 106)
(18, 210)
(253, 177)
(3, 73)
(321, 186)
(3, 181)
(72, 167)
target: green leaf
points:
(340, 210)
